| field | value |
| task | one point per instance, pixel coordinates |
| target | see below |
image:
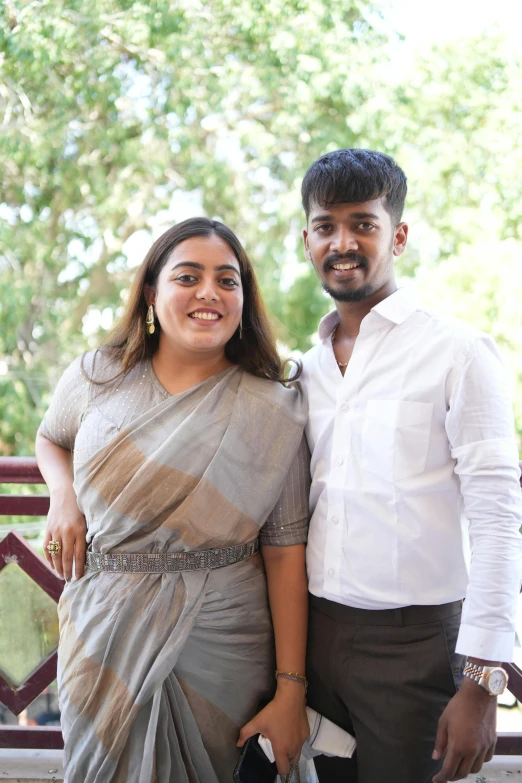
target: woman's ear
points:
(150, 294)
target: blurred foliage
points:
(116, 113)
(482, 285)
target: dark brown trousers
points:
(386, 677)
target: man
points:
(413, 460)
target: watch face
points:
(497, 681)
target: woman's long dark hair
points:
(129, 342)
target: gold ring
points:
(54, 547)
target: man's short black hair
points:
(352, 176)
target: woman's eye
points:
(229, 282)
(186, 278)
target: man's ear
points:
(400, 239)
(150, 294)
(306, 248)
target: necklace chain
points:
(334, 333)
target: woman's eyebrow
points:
(195, 265)
(192, 264)
(227, 266)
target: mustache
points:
(335, 258)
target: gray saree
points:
(158, 671)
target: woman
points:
(176, 437)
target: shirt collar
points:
(395, 308)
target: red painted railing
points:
(24, 470)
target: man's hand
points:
(467, 732)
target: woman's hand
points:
(284, 722)
(66, 524)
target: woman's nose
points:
(207, 292)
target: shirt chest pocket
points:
(396, 437)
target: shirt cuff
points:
(486, 644)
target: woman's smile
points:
(205, 315)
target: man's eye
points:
(324, 227)
(366, 226)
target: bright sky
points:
(430, 21)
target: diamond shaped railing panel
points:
(29, 592)
(28, 625)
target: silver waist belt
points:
(196, 560)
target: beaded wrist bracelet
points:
(295, 676)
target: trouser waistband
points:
(406, 615)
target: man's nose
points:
(343, 241)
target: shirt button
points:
(335, 520)
(331, 572)
(340, 460)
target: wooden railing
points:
(24, 470)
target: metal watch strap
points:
(474, 671)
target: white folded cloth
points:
(325, 738)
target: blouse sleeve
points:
(288, 522)
(68, 404)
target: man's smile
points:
(351, 265)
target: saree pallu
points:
(158, 672)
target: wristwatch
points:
(493, 678)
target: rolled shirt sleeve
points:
(480, 429)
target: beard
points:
(342, 295)
(358, 295)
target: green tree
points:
(115, 113)
(112, 108)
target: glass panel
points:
(28, 625)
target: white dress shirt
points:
(414, 466)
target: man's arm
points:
(482, 437)
(481, 434)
